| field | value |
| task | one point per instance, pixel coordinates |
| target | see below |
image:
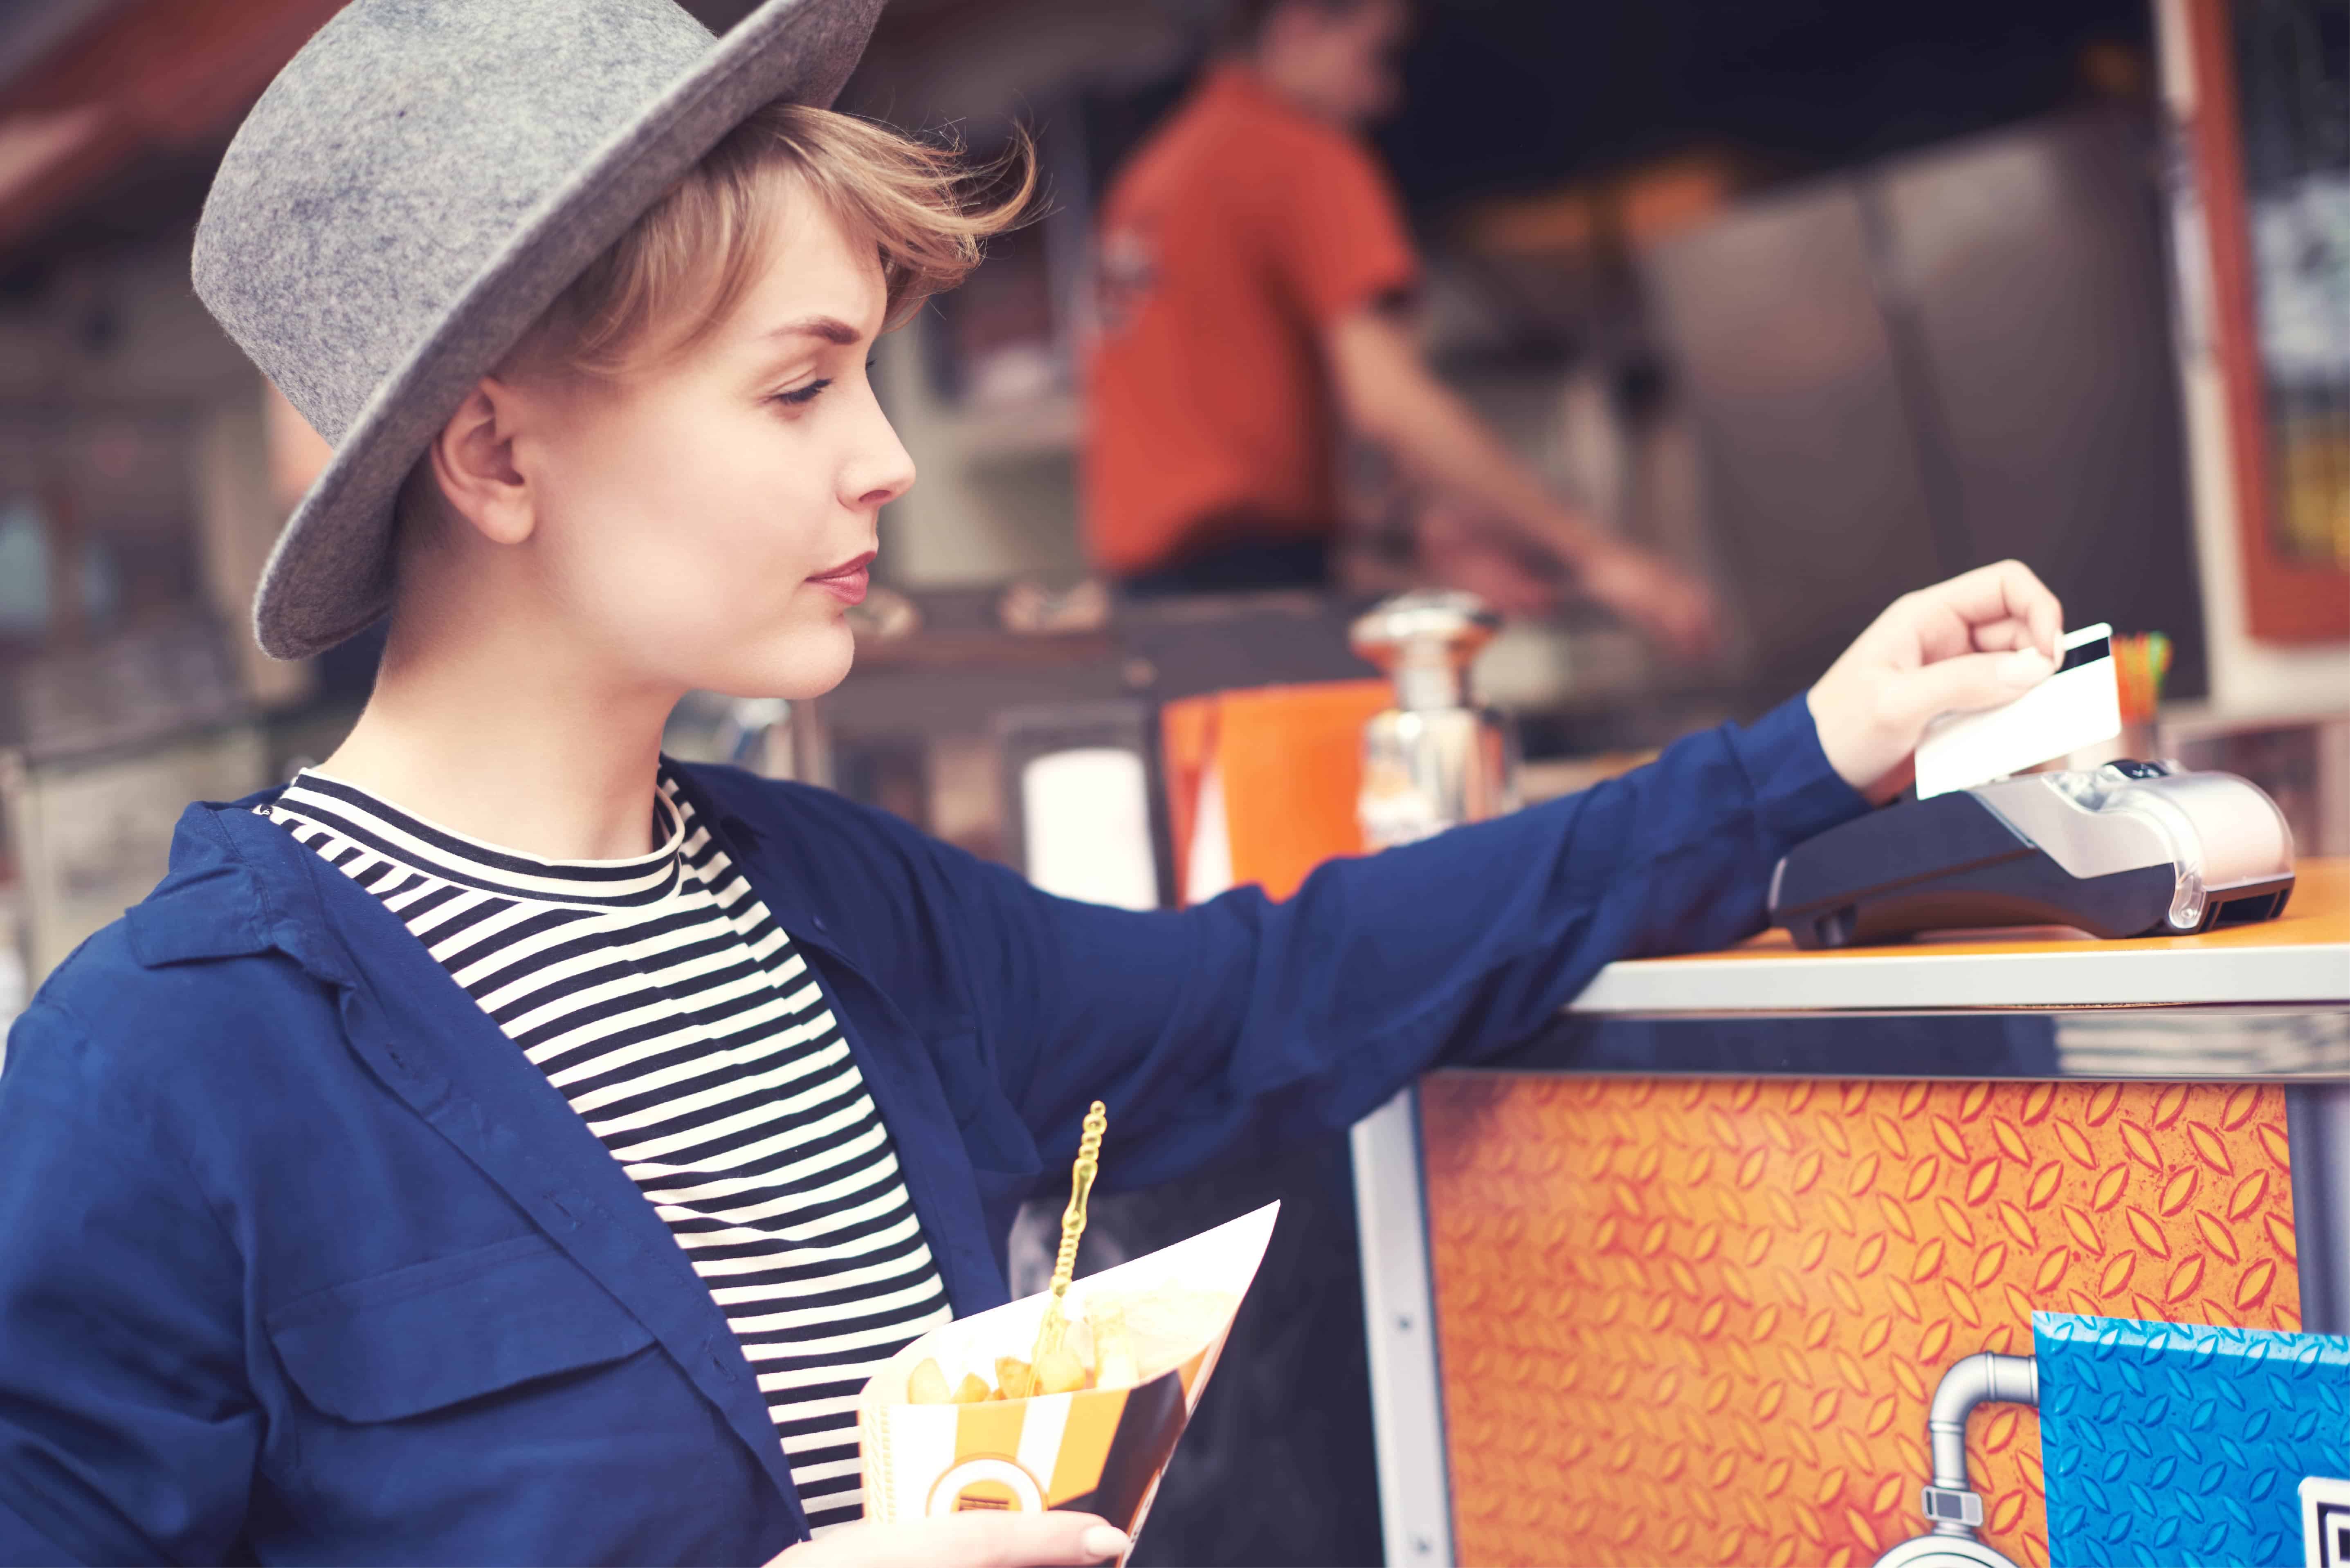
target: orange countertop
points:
(2301, 957)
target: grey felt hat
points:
(417, 185)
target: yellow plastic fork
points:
(1053, 1331)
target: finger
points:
(1970, 681)
(2028, 597)
(2044, 612)
(1054, 1539)
(2003, 590)
(1999, 636)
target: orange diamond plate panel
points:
(1698, 1322)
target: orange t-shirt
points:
(1237, 235)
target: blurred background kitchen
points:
(1804, 302)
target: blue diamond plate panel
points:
(2174, 1443)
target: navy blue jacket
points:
(301, 1261)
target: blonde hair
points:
(682, 267)
(684, 264)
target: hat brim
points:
(329, 576)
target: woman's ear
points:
(473, 457)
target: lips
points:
(848, 581)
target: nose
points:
(882, 470)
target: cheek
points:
(742, 530)
(686, 543)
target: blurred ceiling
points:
(89, 87)
(29, 28)
(112, 112)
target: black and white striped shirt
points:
(658, 995)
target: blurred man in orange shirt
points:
(1256, 267)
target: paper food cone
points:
(1095, 1451)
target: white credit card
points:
(2078, 706)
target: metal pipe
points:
(1981, 1377)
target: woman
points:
(502, 1145)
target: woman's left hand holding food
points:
(1978, 640)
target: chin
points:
(803, 662)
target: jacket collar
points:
(742, 812)
(240, 884)
(236, 886)
(750, 819)
(757, 849)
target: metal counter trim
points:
(2238, 1044)
(2098, 975)
(1399, 1324)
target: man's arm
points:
(1391, 395)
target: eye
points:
(800, 396)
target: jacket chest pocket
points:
(453, 1329)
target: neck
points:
(488, 725)
(1271, 75)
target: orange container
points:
(1289, 762)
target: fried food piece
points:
(1114, 1363)
(972, 1390)
(1059, 1372)
(1012, 1376)
(1173, 1322)
(928, 1384)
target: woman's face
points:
(706, 522)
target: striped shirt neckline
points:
(422, 845)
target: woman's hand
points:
(1975, 641)
(976, 1540)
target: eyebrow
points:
(831, 329)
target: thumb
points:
(1972, 681)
